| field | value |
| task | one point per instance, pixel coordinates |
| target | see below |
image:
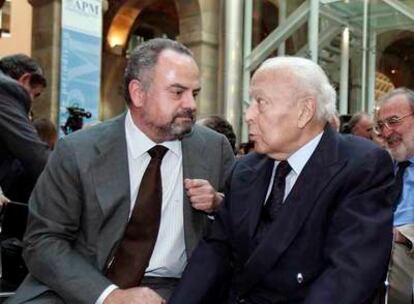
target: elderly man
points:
(307, 218)
(121, 205)
(395, 122)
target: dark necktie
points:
(274, 202)
(399, 182)
(275, 199)
(134, 252)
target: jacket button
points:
(299, 278)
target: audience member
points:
(321, 232)
(46, 130)
(21, 81)
(344, 119)
(80, 246)
(22, 154)
(245, 148)
(395, 122)
(222, 126)
(361, 124)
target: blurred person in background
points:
(220, 125)
(244, 149)
(361, 124)
(46, 130)
(22, 154)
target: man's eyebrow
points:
(180, 86)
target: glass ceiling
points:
(383, 15)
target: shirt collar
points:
(299, 159)
(138, 143)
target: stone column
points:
(46, 27)
(46, 50)
(199, 31)
(233, 63)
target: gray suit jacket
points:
(79, 209)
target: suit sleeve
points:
(55, 212)
(359, 236)
(228, 161)
(208, 272)
(18, 134)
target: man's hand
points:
(135, 295)
(202, 195)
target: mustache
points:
(392, 138)
(188, 113)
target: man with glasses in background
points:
(395, 123)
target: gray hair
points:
(309, 78)
(143, 59)
(355, 119)
(399, 91)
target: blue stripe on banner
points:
(80, 74)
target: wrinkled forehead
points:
(272, 78)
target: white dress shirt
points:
(169, 257)
(297, 162)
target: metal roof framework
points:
(327, 19)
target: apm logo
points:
(83, 7)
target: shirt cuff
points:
(106, 293)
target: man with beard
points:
(121, 206)
(395, 122)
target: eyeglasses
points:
(390, 122)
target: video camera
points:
(75, 119)
(78, 112)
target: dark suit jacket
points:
(329, 243)
(79, 209)
(22, 154)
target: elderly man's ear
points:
(307, 110)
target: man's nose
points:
(386, 131)
(250, 113)
(190, 102)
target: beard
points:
(406, 147)
(176, 128)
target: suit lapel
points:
(249, 193)
(194, 166)
(315, 176)
(110, 171)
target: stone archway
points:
(396, 59)
(198, 29)
(120, 21)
